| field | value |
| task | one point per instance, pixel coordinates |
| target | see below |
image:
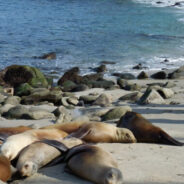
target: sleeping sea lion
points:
(39, 154)
(8, 131)
(94, 164)
(144, 131)
(15, 143)
(5, 169)
(103, 132)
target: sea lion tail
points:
(167, 139)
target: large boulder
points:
(131, 97)
(103, 100)
(177, 74)
(159, 75)
(15, 75)
(142, 75)
(151, 96)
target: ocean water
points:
(85, 32)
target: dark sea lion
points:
(94, 164)
(15, 143)
(5, 169)
(144, 131)
(39, 154)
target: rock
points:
(151, 96)
(101, 84)
(103, 100)
(15, 75)
(169, 85)
(155, 84)
(108, 62)
(116, 113)
(128, 86)
(159, 75)
(139, 67)
(16, 112)
(68, 86)
(177, 74)
(143, 75)
(131, 97)
(132, 87)
(49, 56)
(39, 114)
(83, 118)
(63, 114)
(73, 100)
(23, 90)
(164, 92)
(71, 75)
(13, 100)
(127, 76)
(92, 77)
(64, 117)
(41, 94)
(5, 108)
(122, 83)
(2, 98)
(101, 68)
(64, 101)
(88, 99)
(80, 87)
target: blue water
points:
(85, 32)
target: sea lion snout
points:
(28, 169)
(114, 176)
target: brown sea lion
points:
(15, 143)
(96, 132)
(144, 131)
(5, 169)
(8, 131)
(103, 132)
(94, 164)
(39, 154)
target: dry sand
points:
(139, 163)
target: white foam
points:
(162, 3)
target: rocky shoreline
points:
(33, 100)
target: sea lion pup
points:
(94, 164)
(5, 168)
(15, 143)
(39, 154)
(144, 131)
(103, 132)
(68, 127)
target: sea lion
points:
(144, 131)
(8, 131)
(15, 143)
(94, 164)
(5, 169)
(39, 154)
(103, 132)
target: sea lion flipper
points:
(79, 134)
(60, 146)
(167, 139)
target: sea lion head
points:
(28, 168)
(125, 135)
(113, 176)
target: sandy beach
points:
(140, 163)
